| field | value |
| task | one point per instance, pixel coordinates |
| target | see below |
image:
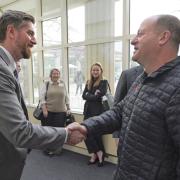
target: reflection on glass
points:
(77, 71)
(52, 59)
(52, 32)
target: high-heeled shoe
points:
(101, 163)
(92, 162)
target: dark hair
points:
(172, 24)
(16, 18)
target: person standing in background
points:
(95, 89)
(125, 81)
(79, 79)
(55, 103)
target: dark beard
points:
(26, 53)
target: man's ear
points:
(10, 33)
(164, 37)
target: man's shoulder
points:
(136, 69)
(4, 68)
(6, 75)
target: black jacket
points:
(93, 105)
(149, 119)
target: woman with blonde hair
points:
(95, 89)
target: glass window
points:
(89, 21)
(76, 24)
(139, 10)
(80, 60)
(37, 75)
(117, 62)
(25, 77)
(50, 7)
(118, 17)
(52, 59)
(77, 73)
(52, 36)
(100, 23)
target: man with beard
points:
(148, 117)
(16, 133)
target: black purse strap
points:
(47, 85)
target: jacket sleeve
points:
(14, 126)
(173, 124)
(121, 89)
(106, 123)
(88, 95)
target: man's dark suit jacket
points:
(125, 81)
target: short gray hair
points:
(172, 24)
(16, 18)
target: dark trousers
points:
(94, 143)
(54, 119)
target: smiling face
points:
(146, 42)
(55, 75)
(96, 71)
(24, 40)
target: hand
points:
(76, 133)
(75, 137)
(97, 92)
(68, 112)
(76, 126)
(45, 113)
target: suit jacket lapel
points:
(4, 56)
(18, 87)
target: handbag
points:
(38, 112)
(69, 119)
(108, 100)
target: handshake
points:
(76, 133)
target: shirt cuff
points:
(67, 134)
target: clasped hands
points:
(76, 133)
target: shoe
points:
(100, 164)
(92, 162)
(48, 153)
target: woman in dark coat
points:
(94, 90)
